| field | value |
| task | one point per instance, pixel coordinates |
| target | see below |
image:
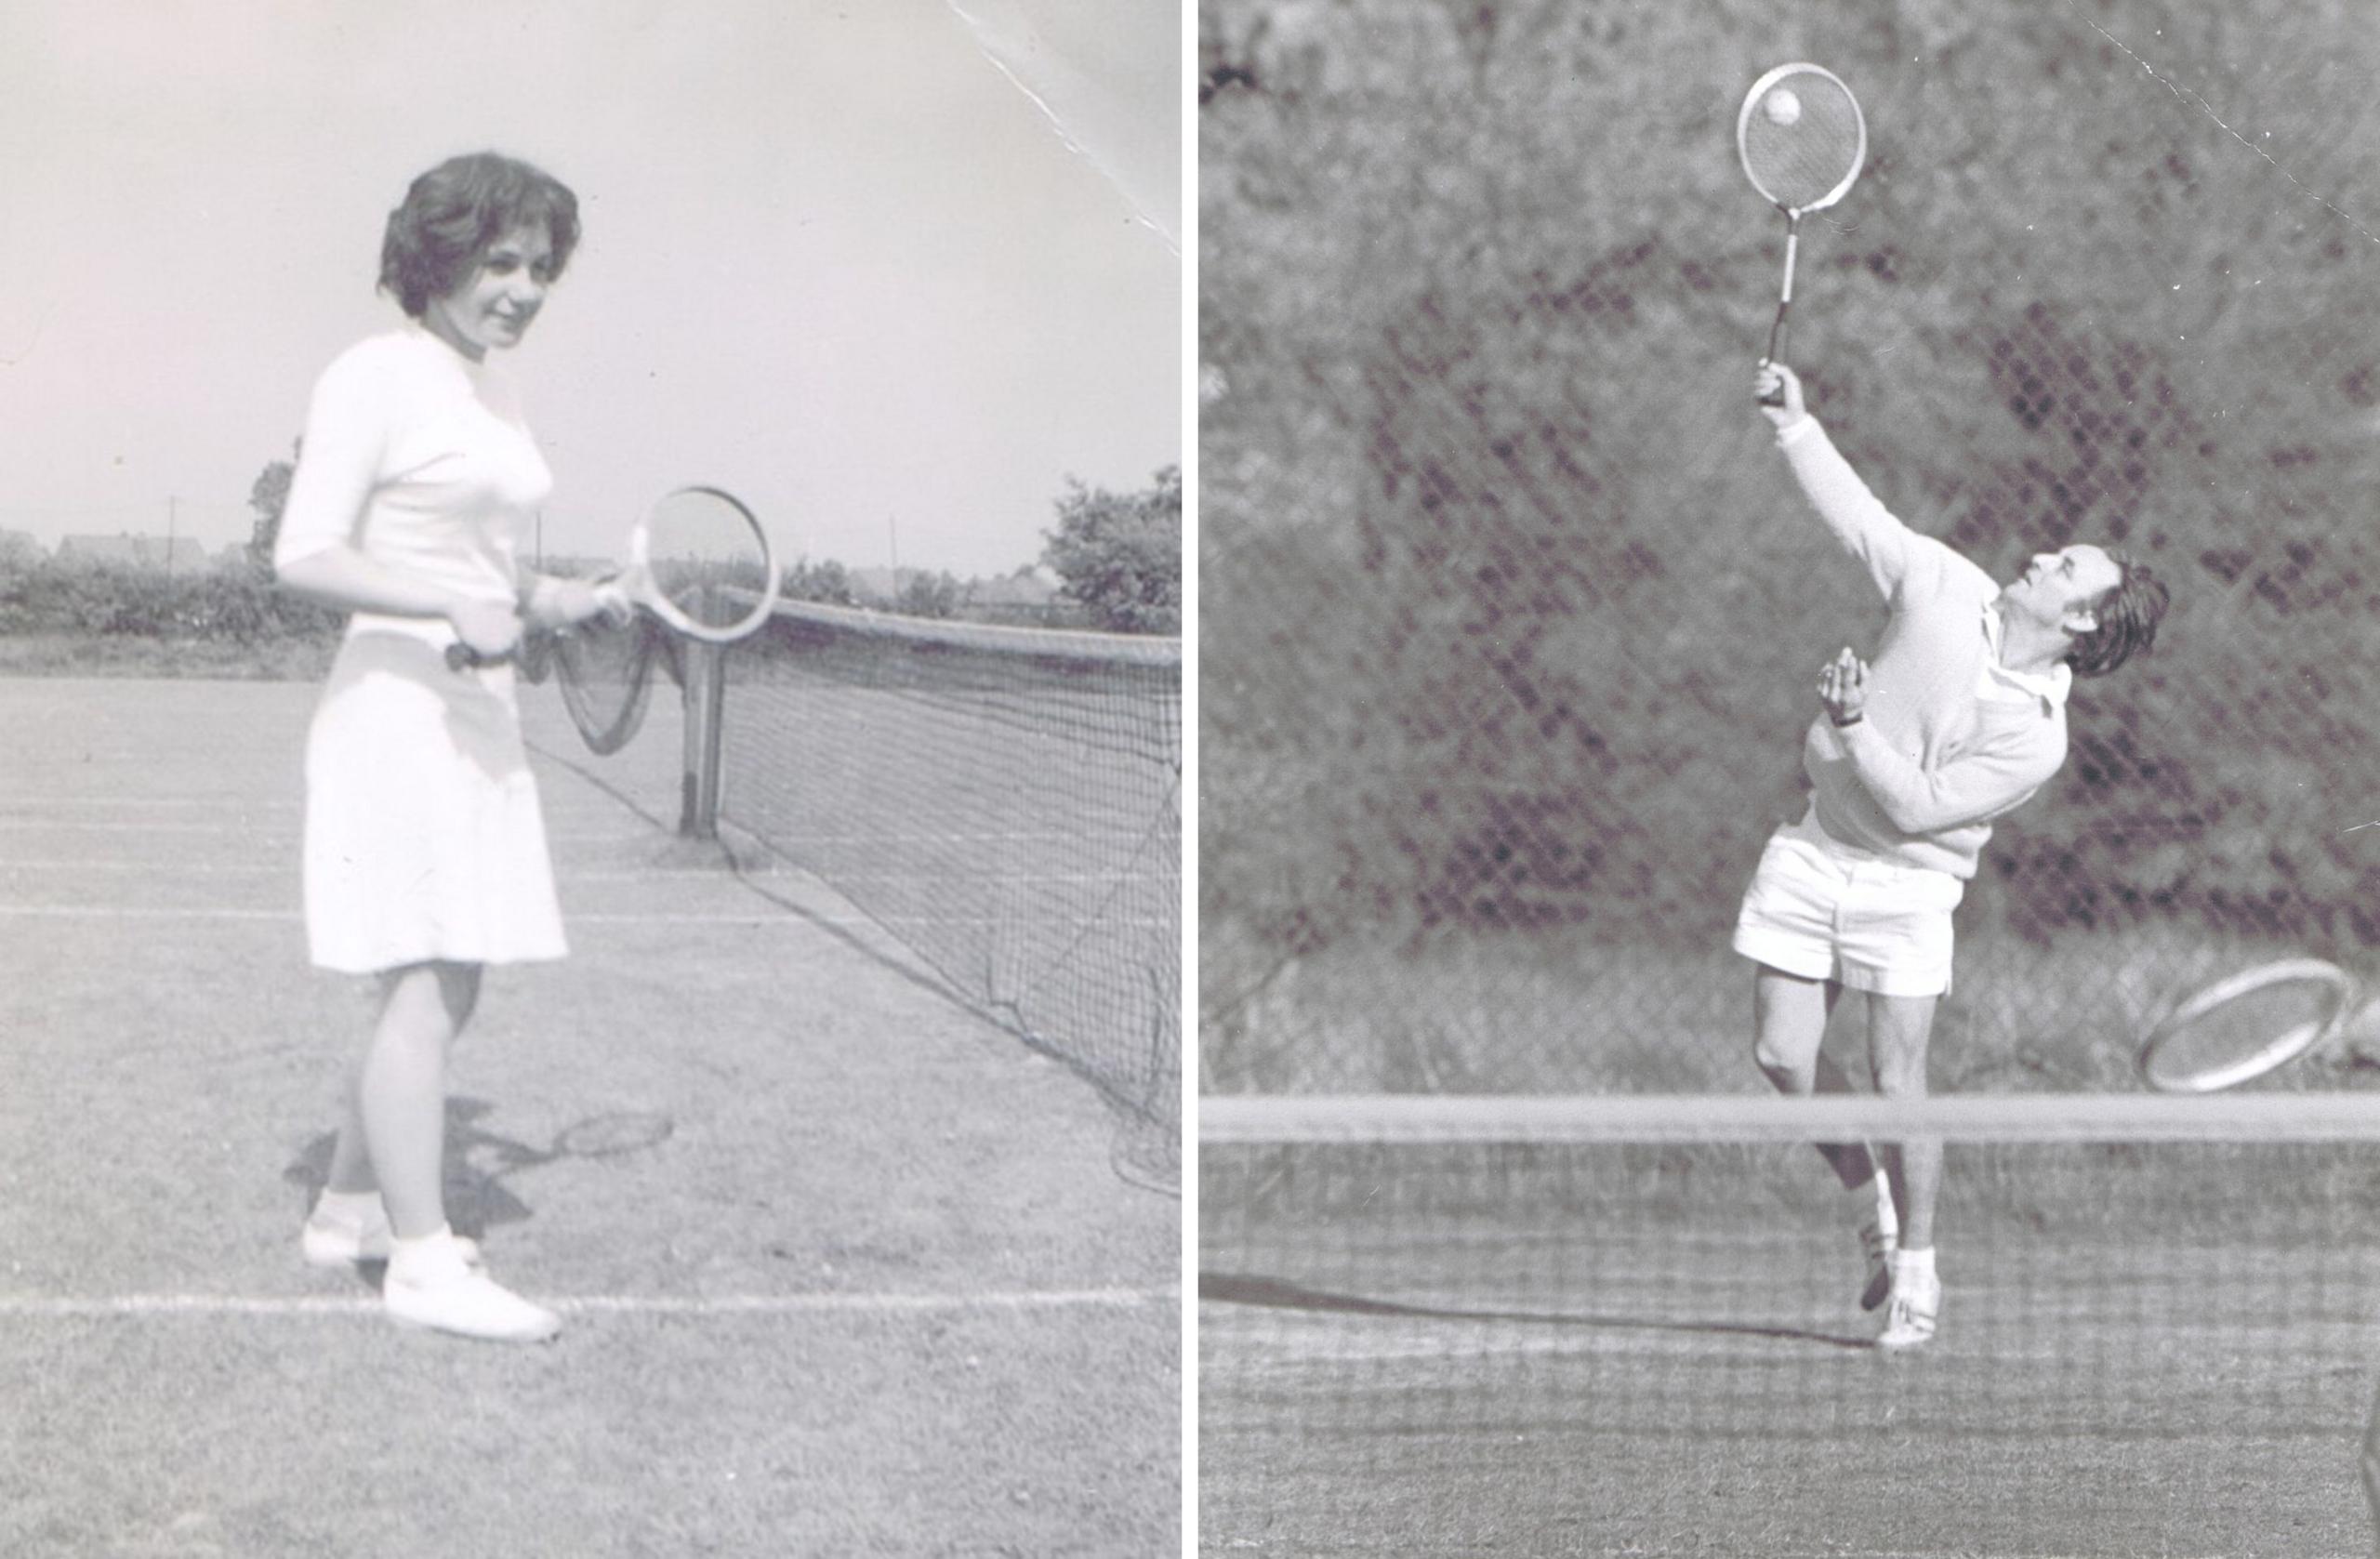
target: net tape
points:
(1520, 1119)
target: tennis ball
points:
(1781, 106)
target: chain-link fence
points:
(1511, 611)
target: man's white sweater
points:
(1950, 739)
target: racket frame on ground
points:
(2155, 1061)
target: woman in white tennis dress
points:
(425, 856)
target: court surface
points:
(1700, 1384)
(843, 1269)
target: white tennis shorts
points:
(1825, 910)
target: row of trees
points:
(1510, 608)
(1118, 554)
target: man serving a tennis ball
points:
(1959, 720)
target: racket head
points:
(701, 562)
(604, 671)
(1810, 160)
(2246, 1024)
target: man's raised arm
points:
(1866, 528)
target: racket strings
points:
(1801, 141)
(2247, 1025)
(604, 674)
(708, 559)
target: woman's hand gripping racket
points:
(699, 561)
(1803, 143)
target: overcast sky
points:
(886, 268)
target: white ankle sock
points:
(349, 1207)
(1915, 1266)
(430, 1259)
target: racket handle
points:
(1775, 337)
(615, 598)
(462, 657)
(1784, 305)
(1775, 332)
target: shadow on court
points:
(1570, 1390)
(481, 1162)
(1275, 1293)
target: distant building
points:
(1039, 584)
(1029, 598)
(874, 583)
(1017, 592)
(135, 552)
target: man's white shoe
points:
(1909, 1319)
(429, 1285)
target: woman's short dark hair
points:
(453, 213)
(2128, 616)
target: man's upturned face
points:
(2062, 587)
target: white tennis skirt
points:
(423, 840)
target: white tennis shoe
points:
(429, 1285)
(1910, 1319)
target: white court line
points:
(564, 874)
(570, 916)
(289, 868)
(107, 1306)
(287, 832)
(212, 804)
(875, 840)
(93, 912)
(127, 912)
(49, 824)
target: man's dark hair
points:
(2128, 616)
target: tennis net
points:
(1006, 803)
(1608, 1326)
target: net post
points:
(706, 695)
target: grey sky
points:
(879, 265)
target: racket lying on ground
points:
(2245, 1025)
(700, 562)
(1803, 143)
